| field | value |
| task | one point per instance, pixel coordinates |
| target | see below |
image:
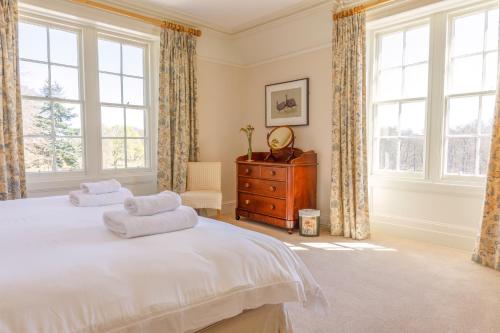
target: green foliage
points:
(55, 118)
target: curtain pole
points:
(140, 17)
(359, 9)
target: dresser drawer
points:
(262, 205)
(262, 187)
(248, 170)
(274, 173)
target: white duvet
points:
(61, 270)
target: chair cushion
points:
(202, 199)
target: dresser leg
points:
(237, 217)
(290, 231)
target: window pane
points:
(112, 122)
(417, 45)
(135, 153)
(132, 60)
(38, 154)
(64, 82)
(113, 153)
(461, 156)
(387, 119)
(34, 79)
(109, 56)
(391, 50)
(389, 84)
(68, 154)
(32, 42)
(487, 113)
(462, 115)
(67, 119)
(492, 31)
(110, 88)
(484, 154)
(412, 120)
(467, 74)
(36, 118)
(490, 76)
(469, 34)
(412, 155)
(415, 81)
(63, 47)
(133, 92)
(135, 123)
(388, 150)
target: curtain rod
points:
(359, 9)
(137, 16)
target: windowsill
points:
(70, 181)
(443, 186)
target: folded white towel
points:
(127, 226)
(82, 199)
(105, 186)
(153, 204)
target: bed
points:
(61, 270)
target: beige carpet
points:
(389, 284)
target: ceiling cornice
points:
(200, 23)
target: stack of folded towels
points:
(149, 215)
(107, 192)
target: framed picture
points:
(287, 103)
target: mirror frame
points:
(289, 145)
(290, 142)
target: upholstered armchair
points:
(203, 186)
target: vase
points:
(249, 153)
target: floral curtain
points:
(12, 179)
(178, 121)
(349, 215)
(487, 250)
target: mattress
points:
(61, 270)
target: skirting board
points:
(228, 207)
(423, 230)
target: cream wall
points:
(317, 67)
(220, 107)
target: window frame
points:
(373, 74)
(448, 94)
(50, 99)
(90, 105)
(146, 107)
(436, 120)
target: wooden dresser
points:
(273, 191)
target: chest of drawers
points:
(274, 192)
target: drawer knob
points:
(272, 188)
(247, 202)
(273, 173)
(247, 185)
(247, 171)
(273, 206)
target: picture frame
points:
(287, 103)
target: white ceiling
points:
(230, 16)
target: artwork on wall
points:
(287, 103)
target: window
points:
(470, 98)
(123, 107)
(82, 116)
(51, 98)
(400, 99)
(441, 72)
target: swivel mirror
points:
(280, 138)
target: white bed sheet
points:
(61, 270)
